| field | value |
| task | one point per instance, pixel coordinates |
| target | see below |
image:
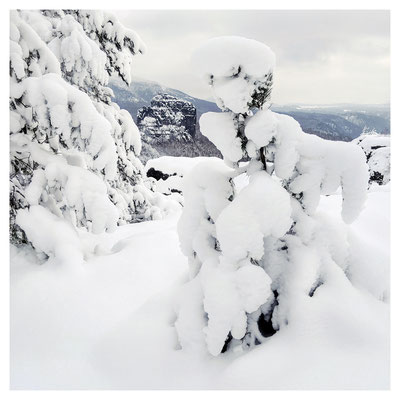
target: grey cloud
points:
(342, 51)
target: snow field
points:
(109, 323)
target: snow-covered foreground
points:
(109, 324)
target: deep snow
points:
(109, 323)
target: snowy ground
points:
(108, 324)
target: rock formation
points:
(168, 118)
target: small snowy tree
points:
(74, 153)
(258, 251)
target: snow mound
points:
(167, 174)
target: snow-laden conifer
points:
(258, 248)
(74, 153)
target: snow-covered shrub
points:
(74, 152)
(377, 150)
(258, 251)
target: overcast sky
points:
(322, 56)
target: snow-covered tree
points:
(74, 153)
(257, 247)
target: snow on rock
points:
(167, 118)
(168, 173)
(370, 142)
(377, 150)
(379, 166)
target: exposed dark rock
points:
(169, 127)
(334, 122)
(167, 118)
(157, 175)
(140, 93)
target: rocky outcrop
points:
(168, 126)
(377, 151)
(167, 119)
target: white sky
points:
(322, 56)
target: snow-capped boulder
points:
(377, 150)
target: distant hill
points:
(342, 122)
(140, 93)
(327, 126)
